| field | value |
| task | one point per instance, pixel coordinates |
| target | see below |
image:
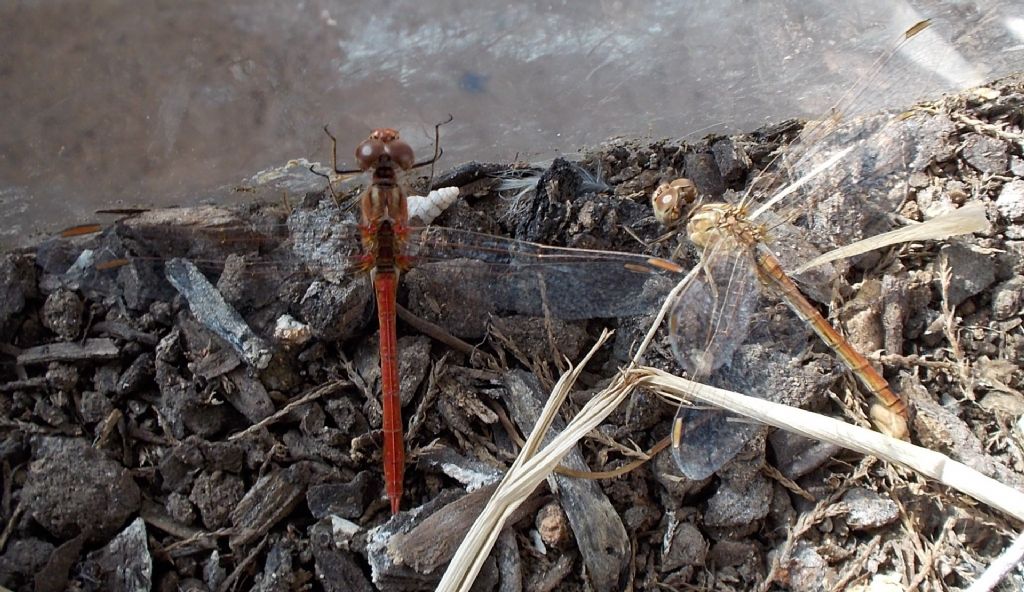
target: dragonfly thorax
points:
(711, 223)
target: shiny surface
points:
(142, 103)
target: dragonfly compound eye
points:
(368, 152)
(401, 153)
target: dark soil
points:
(151, 442)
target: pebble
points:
(216, 494)
(94, 406)
(684, 546)
(869, 509)
(180, 508)
(731, 159)
(74, 488)
(702, 169)
(1010, 203)
(552, 525)
(125, 563)
(972, 272)
(986, 154)
(808, 570)
(1007, 297)
(738, 504)
(62, 314)
(1017, 166)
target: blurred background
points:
(118, 103)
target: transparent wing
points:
(711, 316)
(466, 272)
(473, 271)
(709, 322)
(877, 150)
(126, 259)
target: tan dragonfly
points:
(712, 316)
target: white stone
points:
(1010, 202)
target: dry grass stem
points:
(1008, 560)
(968, 219)
(532, 466)
(812, 425)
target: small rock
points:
(986, 154)
(62, 313)
(94, 407)
(796, 455)
(139, 372)
(1010, 203)
(180, 464)
(869, 510)
(701, 168)
(919, 179)
(336, 312)
(216, 494)
(213, 573)
(862, 317)
(542, 215)
(22, 559)
(336, 568)
(249, 397)
(73, 488)
(807, 570)
(1007, 298)
(278, 569)
(552, 525)
(731, 159)
(413, 363)
(972, 272)
(104, 379)
(223, 456)
(932, 137)
(684, 547)
(728, 553)
(17, 282)
(124, 564)
(347, 500)
(62, 377)
(641, 516)
(179, 508)
(1017, 166)
(1004, 403)
(290, 332)
(739, 503)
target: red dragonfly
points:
(385, 231)
(493, 272)
(386, 237)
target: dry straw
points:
(535, 464)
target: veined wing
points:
(465, 268)
(480, 271)
(874, 151)
(708, 323)
(127, 257)
(711, 315)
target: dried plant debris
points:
(228, 437)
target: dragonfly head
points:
(671, 200)
(383, 148)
